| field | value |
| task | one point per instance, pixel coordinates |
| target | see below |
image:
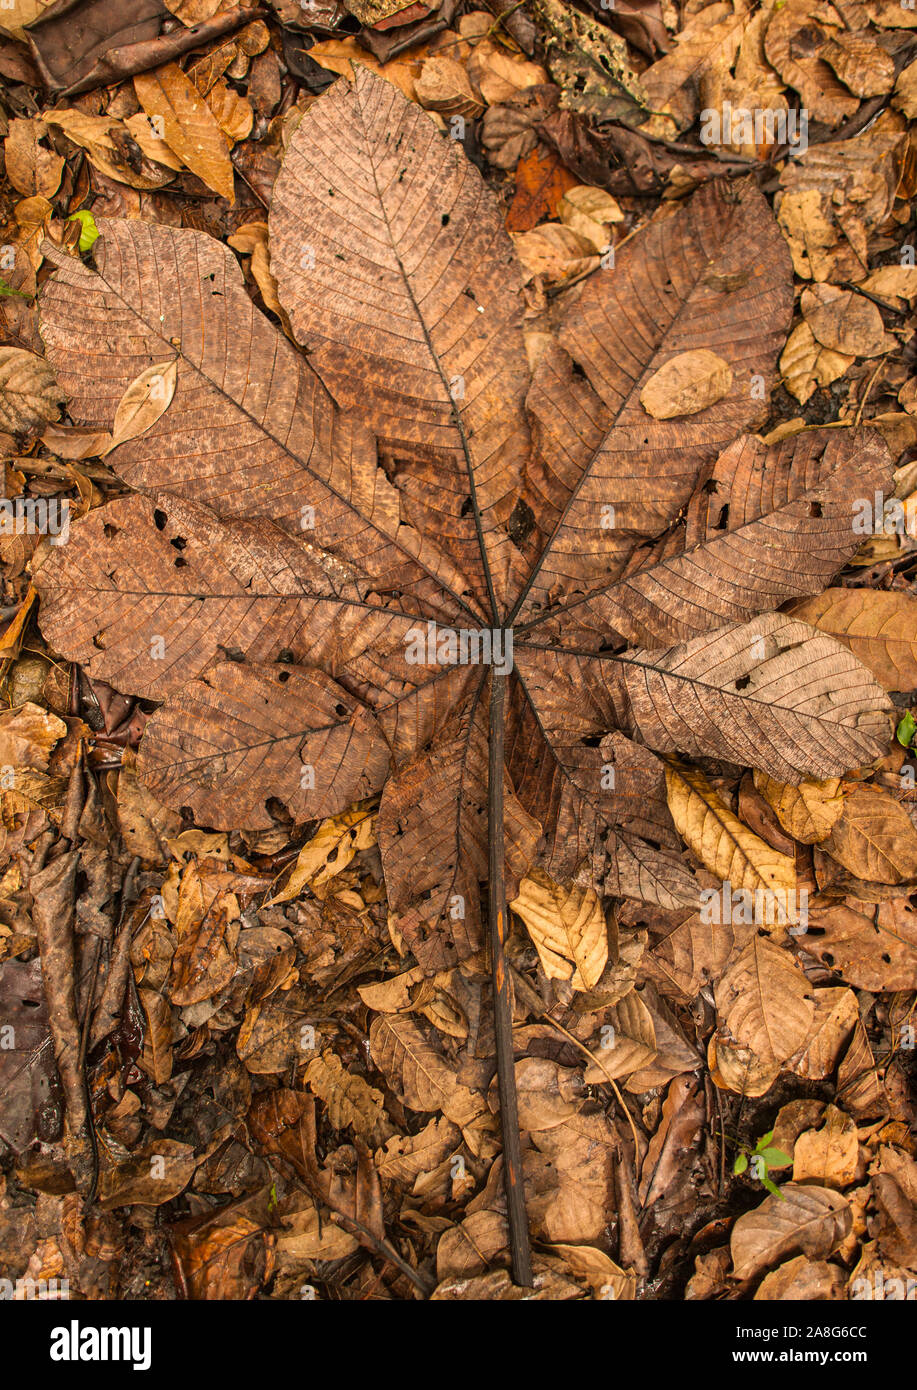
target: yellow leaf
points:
(727, 847)
(328, 853)
(567, 926)
(807, 812)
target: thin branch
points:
(502, 991)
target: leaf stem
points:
(502, 992)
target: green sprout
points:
(89, 234)
(906, 730)
(760, 1160)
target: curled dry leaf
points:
(734, 1067)
(827, 1156)
(444, 86)
(806, 364)
(686, 384)
(567, 925)
(31, 169)
(417, 1071)
(28, 735)
(808, 811)
(556, 252)
(860, 62)
(844, 322)
(327, 854)
(799, 64)
(349, 1100)
(29, 394)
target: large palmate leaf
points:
(397, 562)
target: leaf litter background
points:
(256, 988)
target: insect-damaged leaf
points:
(278, 550)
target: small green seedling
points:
(906, 730)
(89, 233)
(760, 1160)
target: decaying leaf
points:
(809, 1219)
(424, 589)
(29, 394)
(765, 1002)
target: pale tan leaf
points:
(558, 253)
(827, 1156)
(878, 625)
(628, 1042)
(192, 12)
(859, 1089)
(233, 112)
(20, 13)
(443, 86)
(687, 383)
(832, 1026)
(145, 400)
(340, 55)
(800, 1280)
(861, 64)
(567, 925)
